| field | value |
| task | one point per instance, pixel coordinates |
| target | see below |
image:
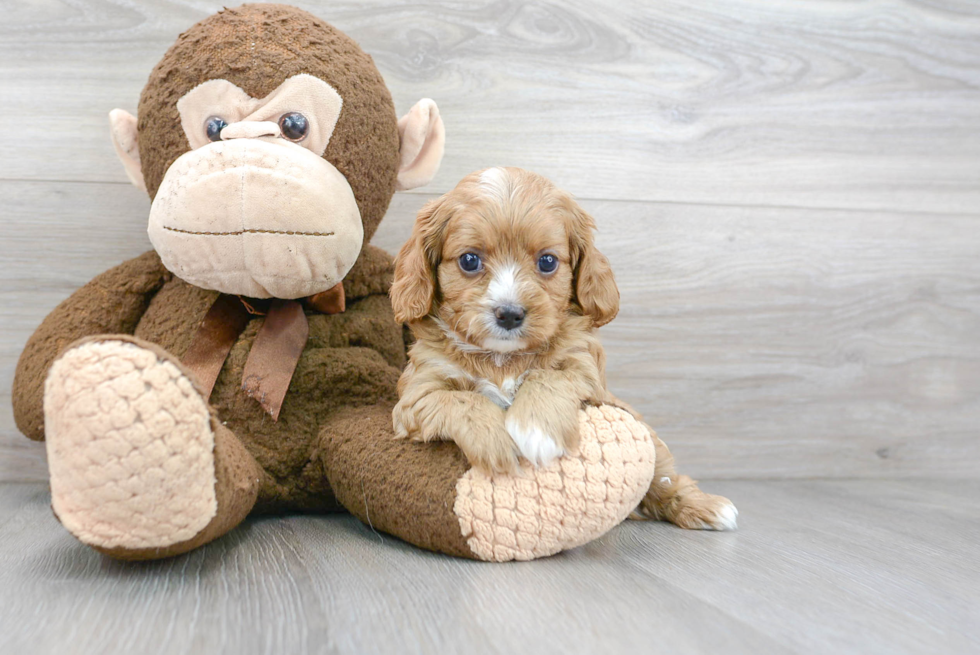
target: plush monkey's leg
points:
(677, 498)
(111, 303)
(140, 466)
(427, 494)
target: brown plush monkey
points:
(249, 363)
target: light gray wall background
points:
(789, 193)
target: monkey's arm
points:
(369, 321)
(111, 303)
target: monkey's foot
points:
(428, 495)
(540, 511)
(131, 450)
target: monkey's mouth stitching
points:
(230, 234)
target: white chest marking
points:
(502, 396)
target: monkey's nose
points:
(509, 317)
(249, 130)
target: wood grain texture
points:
(760, 342)
(821, 104)
(817, 567)
(762, 338)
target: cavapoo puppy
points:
(503, 288)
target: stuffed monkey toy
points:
(248, 364)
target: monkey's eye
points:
(213, 126)
(294, 126)
(547, 264)
(470, 262)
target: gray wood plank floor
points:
(789, 196)
(817, 567)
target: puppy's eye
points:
(547, 263)
(470, 262)
(294, 126)
(213, 127)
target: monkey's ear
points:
(423, 139)
(126, 142)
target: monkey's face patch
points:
(254, 209)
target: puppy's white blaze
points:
(504, 287)
(495, 182)
(536, 446)
(725, 518)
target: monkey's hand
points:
(543, 420)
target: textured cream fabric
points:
(125, 139)
(130, 448)
(423, 139)
(315, 99)
(254, 214)
(540, 511)
(256, 217)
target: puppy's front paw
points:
(544, 421)
(492, 451)
(538, 447)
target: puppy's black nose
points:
(509, 316)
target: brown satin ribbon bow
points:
(277, 348)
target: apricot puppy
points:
(503, 288)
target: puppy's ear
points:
(414, 286)
(595, 289)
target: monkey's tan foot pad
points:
(540, 511)
(130, 447)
